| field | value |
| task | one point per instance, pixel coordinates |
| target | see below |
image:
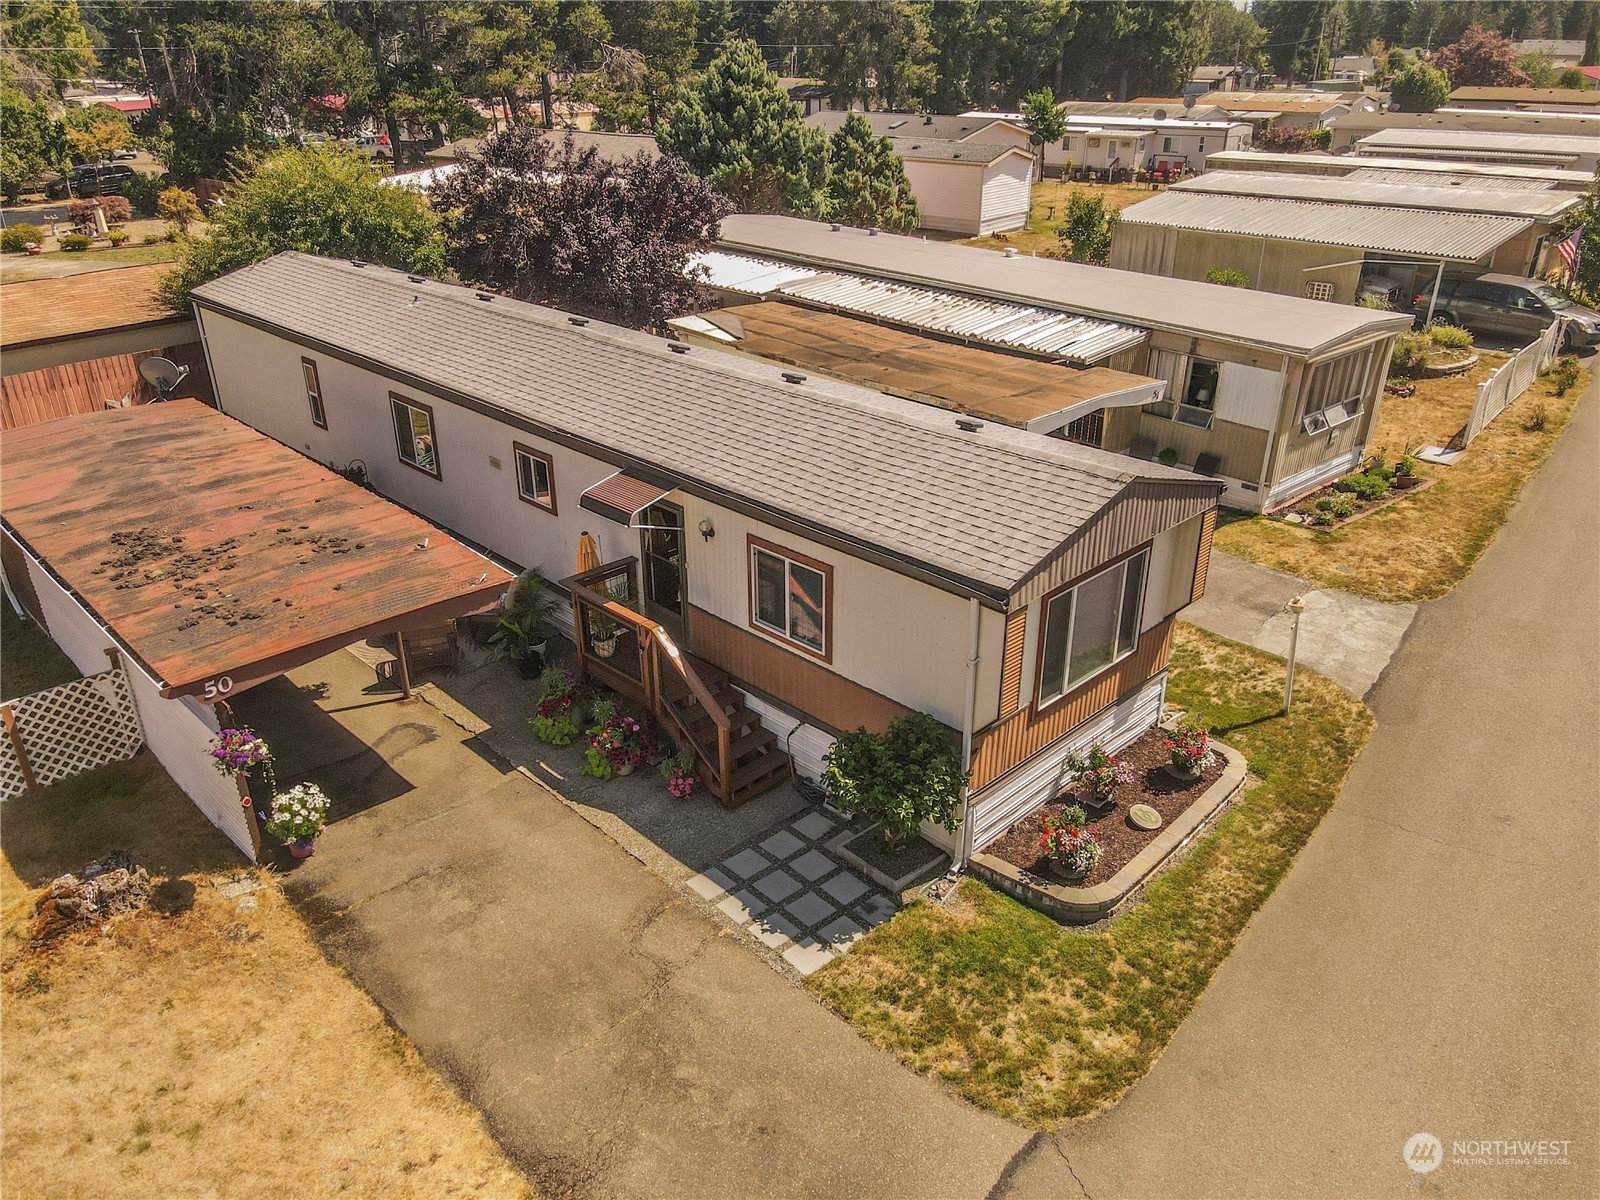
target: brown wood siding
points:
(1011, 663)
(802, 683)
(1143, 510)
(48, 394)
(21, 583)
(1012, 740)
(1242, 448)
(1202, 561)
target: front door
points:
(661, 560)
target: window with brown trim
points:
(536, 476)
(1089, 626)
(413, 434)
(319, 414)
(791, 598)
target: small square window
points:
(536, 477)
(319, 414)
(413, 434)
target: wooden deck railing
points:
(634, 655)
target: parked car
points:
(125, 152)
(374, 146)
(91, 179)
(1510, 307)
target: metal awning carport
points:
(218, 557)
(623, 496)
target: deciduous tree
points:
(316, 199)
(1086, 232)
(1480, 58)
(867, 182)
(548, 222)
(738, 129)
(1418, 87)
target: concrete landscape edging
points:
(1082, 905)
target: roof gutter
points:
(993, 595)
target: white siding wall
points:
(1007, 193)
(1249, 395)
(178, 732)
(949, 194)
(898, 636)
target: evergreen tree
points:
(873, 52)
(738, 129)
(867, 182)
(1418, 88)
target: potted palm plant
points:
(522, 634)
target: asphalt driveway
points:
(620, 1041)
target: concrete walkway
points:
(620, 1037)
(1431, 965)
(1346, 637)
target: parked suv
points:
(91, 179)
(1510, 307)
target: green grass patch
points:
(1042, 1023)
(127, 255)
(29, 660)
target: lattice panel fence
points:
(66, 730)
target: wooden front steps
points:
(757, 763)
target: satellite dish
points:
(1188, 101)
(162, 374)
(1160, 114)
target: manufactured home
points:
(1272, 395)
(809, 555)
(1110, 144)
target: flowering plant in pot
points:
(616, 743)
(678, 770)
(555, 715)
(1189, 748)
(1070, 843)
(240, 752)
(1098, 776)
(297, 816)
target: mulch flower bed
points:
(1151, 785)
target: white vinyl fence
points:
(1508, 382)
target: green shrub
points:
(1535, 419)
(1227, 277)
(1452, 337)
(117, 236)
(1407, 465)
(908, 775)
(144, 191)
(1564, 375)
(1369, 301)
(1363, 485)
(15, 238)
(1168, 457)
(76, 243)
(1412, 353)
(1345, 506)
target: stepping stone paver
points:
(747, 863)
(710, 884)
(814, 864)
(814, 826)
(845, 888)
(742, 906)
(774, 929)
(810, 909)
(876, 910)
(778, 886)
(807, 956)
(839, 934)
(782, 844)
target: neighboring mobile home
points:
(842, 556)
(1274, 395)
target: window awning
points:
(621, 497)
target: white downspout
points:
(968, 716)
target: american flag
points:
(1569, 251)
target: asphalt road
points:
(1431, 965)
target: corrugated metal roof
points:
(1474, 197)
(993, 322)
(1507, 182)
(1459, 236)
(1478, 141)
(1281, 324)
(209, 549)
(893, 478)
(1348, 164)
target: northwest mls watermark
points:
(1424, 1153)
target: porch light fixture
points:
(706, 528)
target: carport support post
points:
(405, 667)
(225, 718)
(1433, 297)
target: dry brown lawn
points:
(213, 1052)
(1050, 198)
(1421, 545)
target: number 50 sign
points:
(220, 686)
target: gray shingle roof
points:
(979, 510)
(921, 149)
(911, 125)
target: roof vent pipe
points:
(968, 426)
(1011, 252)
(834, 226)
(577, 320)
(873, 232)
(793, 377)
(485, 296)
(677, 347)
